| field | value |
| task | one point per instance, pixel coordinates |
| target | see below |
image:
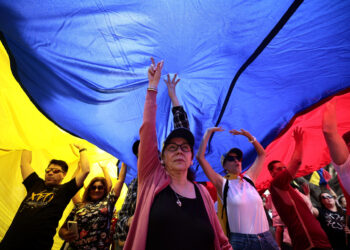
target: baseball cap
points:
(236, 151)
(180, 133)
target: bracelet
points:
(152, 89)
(253, 140)
(81, 150)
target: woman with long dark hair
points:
(93, 215)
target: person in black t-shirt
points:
(35, 222)
(332, 220)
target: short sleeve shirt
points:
(36, 220)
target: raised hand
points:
(242, 132)
(298, 135)
(154, 72)
(78, 146)
(329, 119)
(171, 84)
(102, 164)
(215, 129)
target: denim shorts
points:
(263, 241)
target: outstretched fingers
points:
(298, 133)
(235, 132)
(216, 129)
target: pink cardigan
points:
(152, 178)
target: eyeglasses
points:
(327, 197)
(172, 147)
(232, 158)
(53, 170)
(100, 187)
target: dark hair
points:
(270, 166)
(60, 163)
(86, 195)
(346, 137)
(191, 175)
(135, 148)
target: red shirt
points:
(304, 229)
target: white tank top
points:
(245, 209)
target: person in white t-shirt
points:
(248, 225)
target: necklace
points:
(178, 202)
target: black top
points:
(36, 220)
(174, 227)
(333, 223)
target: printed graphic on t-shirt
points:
(37, 200)
(335, 221)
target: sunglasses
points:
(172, 147)
(232, 158)
(100, 187)
(327, 197)
(53, 170)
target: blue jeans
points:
(262, 241)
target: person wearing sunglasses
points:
(240, 207)
(303, 228)
(332, 219)
(94, 213)
(36, 220)
(172, 212)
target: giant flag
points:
(243, 64)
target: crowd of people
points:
(166, 209)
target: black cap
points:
(180, 133)
(236, 151)
(135, 147)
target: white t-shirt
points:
(344, 173)
(245, 209)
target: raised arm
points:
(337, 148)
(171, 84)
(121, 178)
(148, 148)
(214, 177)
(85, 165)
(306, 189)
(295, 161)
(76, 198)
(254, 171)
(26, 160)
(180, 116)
(106, 175)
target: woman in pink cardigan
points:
(172, 212)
